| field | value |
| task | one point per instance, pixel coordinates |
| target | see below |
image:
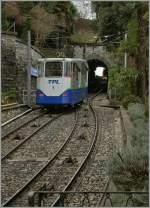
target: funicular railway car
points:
(61, 81)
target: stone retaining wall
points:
(14, 65)
(8, 63)
(127, 127)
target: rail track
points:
(17, 137)
(19, 121)
(65, 163)
(88, 186)
(93, 178)
(78, 166)
(10, 111)
(29, 153)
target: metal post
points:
(125, 55)
(29, 69)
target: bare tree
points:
(42, 23)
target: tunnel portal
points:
(97, 81)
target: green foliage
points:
(123, 80)
(11, 93)
(129, 168)
(130, 172)
(131, 44)
(113, 17)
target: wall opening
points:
(98, 76)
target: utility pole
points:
(29, 70)
(125, 54)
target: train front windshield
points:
(53, 69)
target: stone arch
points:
(101, 57)
(98, 60)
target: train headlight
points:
(40, 94)
(65, 94)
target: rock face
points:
(14, 65)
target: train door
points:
(54, 83)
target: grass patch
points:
(128, 169)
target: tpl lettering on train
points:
(53, 81)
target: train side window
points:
(75, 71)
(68, 70)
(84, 74)
(40, 67)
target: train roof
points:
(61, 59)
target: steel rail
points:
(89, 152)
(85, 159)
(23, 124)
(16, 117)
(92, 97)
(12, 107)
(9, 105)
(32, 134)
(50, 160)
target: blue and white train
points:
(61, 81)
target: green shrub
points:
(129, 169)
(123, 80)
(130, 172)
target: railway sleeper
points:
(69, 161)
(35, 124)
(85, 124)
(18, 136)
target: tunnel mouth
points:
(98, 79)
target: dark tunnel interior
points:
(97, 81)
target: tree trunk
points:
(142, 56)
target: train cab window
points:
(53, 69)
(40, 68)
